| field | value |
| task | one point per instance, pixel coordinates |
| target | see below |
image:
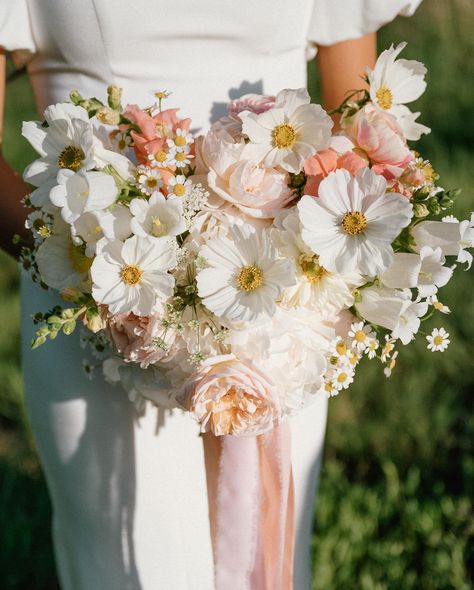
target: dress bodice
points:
(205, 52)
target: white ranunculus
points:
(291, 348)
(424, 270)
(393, 83)
(61, 263)
(157, 217)
(353, 222)
(288, 133)
(244, 277)
(316, 288)
(132, 276)
(82, 192)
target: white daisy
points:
(361, 335)
(371, 348)
(244, 277)
(179, 186)
(148, 180)
(180, 141)
(158, 216)
(387, 348)
(438, 340)
(40, 224)
(393, 83)
(342, 378)
(132, 276)
(433, 300)
(288, 133)
(81, 192)
(181, 158)
(353, 222)
(121, 141)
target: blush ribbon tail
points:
(251, 504)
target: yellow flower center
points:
(80, 262)
(354, 223)
(311, 268)
(283, 136)
(384, 97)
(249, 278)
(180, 156)
(131, 274)
(161, 156)
(438, 340)
(151, 182)
(438, 305)
(341, 348)
(329, 387)
(179, 190)
(122, 144)
(360, 336)
(180, 141)
(342, 377)
(71, 157)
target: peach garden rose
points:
(229, 396)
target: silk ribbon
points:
(251, 505)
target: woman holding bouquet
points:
(129, 491)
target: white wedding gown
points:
(129, 496)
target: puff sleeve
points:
(15, 29)
(333, 21)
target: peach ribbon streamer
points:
(251, 504)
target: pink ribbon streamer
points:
(251, 503)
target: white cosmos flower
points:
(68, 142)
(158, 216)
(393, 83)
(244, 277)
(316, 288)
(81, 192)
(353, 222)
(424, 270)
(288, 133)
(132, 276)
(61, 263)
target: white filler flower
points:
(287, 134)
(393, 83)
(244, 277)
(353, 222)
(132, 276)
(158, 216)
(438, 340)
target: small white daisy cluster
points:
(243, 275)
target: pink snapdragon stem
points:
(251, 502)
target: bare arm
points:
(342, 65)
(12, 187)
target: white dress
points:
(129, 496)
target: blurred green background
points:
(393, 508)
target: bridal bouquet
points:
(240, 274)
